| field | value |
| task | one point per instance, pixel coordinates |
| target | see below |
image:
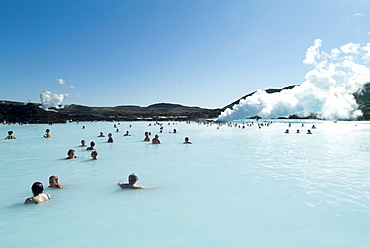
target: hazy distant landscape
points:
(18, 112)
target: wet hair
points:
(92, 143)
(94, 152)
(37, 188)
(70, 151)
(132, 178)
(10, 132)
(83, 141)
(53, 177)
(47, 130)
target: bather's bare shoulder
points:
(129, 186)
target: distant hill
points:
(14, 112)
(170, 106)
(270, 91)
(128, 106)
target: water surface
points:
(233, 187)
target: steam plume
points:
(327, 91)
(51, 100)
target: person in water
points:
(147, 137)
(91, 147)
(132, 179)
(156, 140)
(187, 141)
(71, 154)
(110, 138)
(83, 143)
(53, 182)
(10, 135)
(286, 131)
(309, 131)
(94, 155)
(127, 134)
(101, 134)
(38, 195)
(47, 134)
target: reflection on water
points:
(229, 188)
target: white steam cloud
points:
(327, 91)
(61, 81)
(51, 100)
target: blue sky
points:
(195, 53)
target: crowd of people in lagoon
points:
(37, 188)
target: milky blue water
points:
(233, 187)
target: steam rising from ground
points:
(51, 100)
(327, 91)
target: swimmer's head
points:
(53, 181)
(83, 142)
(71, 152)
(94, 154)
(10, 132)
(92, 143)
(47, 130)
(186, 139)
(109, 135)
(132, 178)
(37, 188)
